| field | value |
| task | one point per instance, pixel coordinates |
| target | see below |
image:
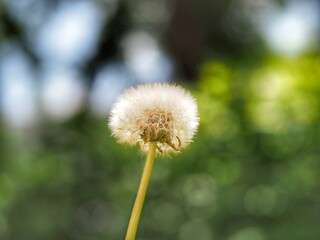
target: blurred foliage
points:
(252, 172)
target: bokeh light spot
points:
(195, 229)
(199, 190)
(63, 93)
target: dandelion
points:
(161, 113)
(162, 119)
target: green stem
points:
(138, 204)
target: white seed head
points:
(155, 112)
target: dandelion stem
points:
(138, 204)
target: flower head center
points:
(156, 125)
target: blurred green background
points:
(253, 170)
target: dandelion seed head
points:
(163, 113)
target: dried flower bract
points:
(161, 113)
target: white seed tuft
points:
(155, 112)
